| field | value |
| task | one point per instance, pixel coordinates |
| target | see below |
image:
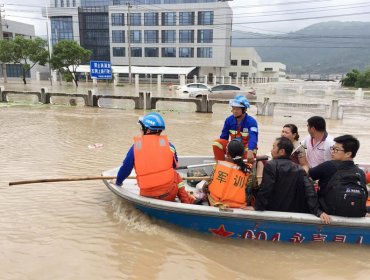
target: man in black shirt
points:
(285, 186)
(342, 184)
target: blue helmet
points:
(152, 121)
(239, 101)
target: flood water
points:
(80, 230)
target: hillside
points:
(323, 48)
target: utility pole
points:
(129, 41)
(3, 65)
(48, 38)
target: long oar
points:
(70, 179)
(213, 163)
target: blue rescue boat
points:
(243, 224)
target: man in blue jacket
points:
(239, 126)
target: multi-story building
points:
(273, 71)
(148, 32)
(11, 29)
(243, 63)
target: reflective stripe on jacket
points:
(153, 164)
(228, 185)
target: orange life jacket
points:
(239, 135)
(153, 165)
(228, 185)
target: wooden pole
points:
(70, 179)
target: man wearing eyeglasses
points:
(318, 142)
(342, 184)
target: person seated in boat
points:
(318, 142)
(342, 184)
(229, 180)
(239, 126)
(285, 186)
(154, 160)
(298, 155)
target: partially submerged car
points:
(225, 92)
(192, 87)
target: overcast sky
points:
(265, 16)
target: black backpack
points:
(346, 193)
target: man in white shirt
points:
(318, 142)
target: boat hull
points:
(243, 224)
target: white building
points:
(11, 29)
(272, 71)
(184, 33)
(243, 63)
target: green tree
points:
(351, 78)
(6, 54)
(28, 53)
(363, 79)
(67, 56)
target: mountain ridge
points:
(321, 48)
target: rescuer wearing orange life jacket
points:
(230, 178)
(239, 126)
(154, 160)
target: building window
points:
(205, 18)
(245, 62)
(244, 75)
(151, 19)
(168, 52)
(168, 36)
(135, 36)
(118, 36)
(205, 36)
(67, 2)
(151, 36)
(169, 19)
(74, 3)
(56, 3)
(268, 69)
(117, 19)
(62, 3)
(151, 52)
(234, 62)
(62, 29)
(186, 36)
(186, 52)
(15, 71)
(118, 51)
(135, 19)
(136, 52)
(186, 18)
(233, 74)
(204, 52)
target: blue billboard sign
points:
(101, 70)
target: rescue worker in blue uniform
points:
(239, 126)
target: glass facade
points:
(136, 52)
(168, 52)
(94, 30)
(205, 18)
(151, 19)
(205, 36)
(204, 52)
(186, 52)
(15, 71)
(151, 36)
(186, 36)
(118, 19)
(95, 3)
(169, 19)
(168, 36)
(118, 51)
(62, 29)
(135, 19)
(151, 52)
(118, 36)
(186, 18)
(135, 36)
